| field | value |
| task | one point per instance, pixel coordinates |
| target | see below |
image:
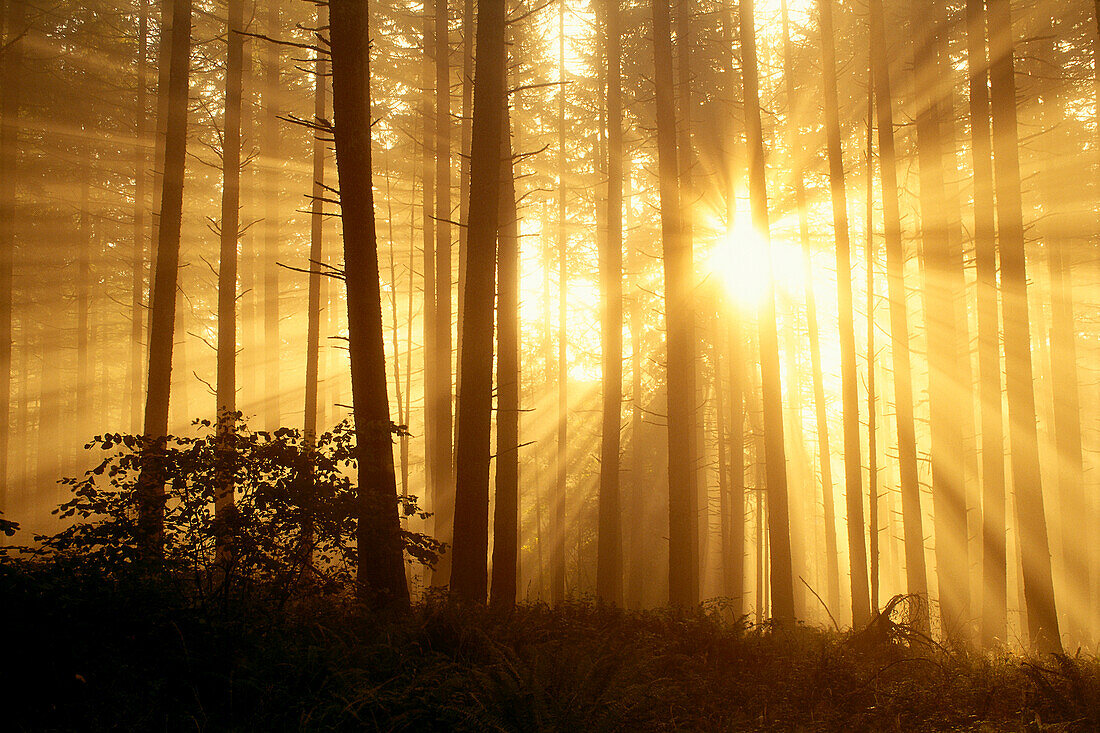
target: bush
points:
(291, 528)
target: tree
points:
(915, 572)
(162, 316)
(857, 550)
(381, 573)
(782, 584)
(609, 561)
(1042, 619)
(679, 322)
(10, 90)
(468, 570)
(994, 569)
(506, 515)
(227, 268)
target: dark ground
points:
(82, 652)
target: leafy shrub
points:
(291, 527)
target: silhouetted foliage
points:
(292, 526)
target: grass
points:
(85, 652)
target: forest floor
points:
(86, 653)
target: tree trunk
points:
(609, 561)
(948, 492)
(853, 479)
(150, 489)
(994, 559)
(1038, 585)
(679, 336)
(441, 341)
(915, 571)
(782, 583)
(381, 572)
(471, 524)
(137, 288)
(227, 268)
(271, 150)
(316, 243)
(506, 515)
(557, 585)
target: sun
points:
(746, 264)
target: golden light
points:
(745, 263)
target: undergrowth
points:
(88, 651)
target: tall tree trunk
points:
(468, 30)
(948, 491)
(10, 90)
(683, 51)
(994, 559)
(381, 571)
(441, 393)
(471, 525)
(506, 515)
(679, 336)
(137, 260)
(1038, 585)
(270, 126)
(557, 585)
(609, 560)
(436, 483)
(316, 243)
(872, 412)
(915, 569)
(150, 489)
(313, 294)
(781, 581)
(227, 268)
(77, 426)
(853, 470)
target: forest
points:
(751, 327)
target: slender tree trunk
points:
(468, 30)
(381, 572)
(10, 90)
(853, 470)
(948, 492)
(471, 525)
(736, 556)
(872, 412)
(994, 559)
(272, 341)
(782, 585)
(1038, 585)
(435, 481)
(441, 342)
(227, 268)
(679, 337)
(609, 561)
(683, 49)
(915, 569)
(150, 489)
(137, 288)
(557, 585)
(313, 294)
(506, 515)
(316, 244)
(77, 426)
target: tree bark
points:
(468, 570)
(1038, 586)
(915, 569)
(227, 267)
(781, 581)
(271, 150)
(679, 336)
(506, 515)
(137, 287)
(381, 572)
(150, 489)
(609, 560)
